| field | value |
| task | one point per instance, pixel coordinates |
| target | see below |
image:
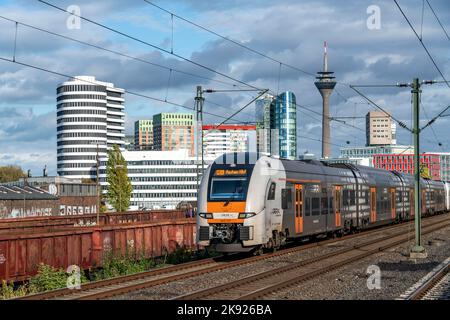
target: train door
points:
(393, 200)
(373, 205)
(337, 207)
(298, 208)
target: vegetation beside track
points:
(114, 265)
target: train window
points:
(346, 197)
(286, 198)
(271, 194)
(366, 197)
(331, 205)
(352, 197)
(307, 206)
(315, 208)
(324, 205)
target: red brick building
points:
(405, 163)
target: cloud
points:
(288, 30)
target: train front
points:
(227, 220)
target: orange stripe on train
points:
(225, 207)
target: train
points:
(251, 202)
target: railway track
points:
(265, 283)
(434, 286)
(124, 284)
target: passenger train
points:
(249, 202)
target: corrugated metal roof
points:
(27, 193)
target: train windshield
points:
(229, 189)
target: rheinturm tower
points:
(325, 83)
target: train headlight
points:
(244, 215)
(206, 215)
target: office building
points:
(143, 135)
(160, 179)
(228, 138)
(90, 120)
(438, 164)
(364, 155)
(265, 122)
(286, 125)
(173, 131)
(380, 130)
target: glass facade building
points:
(286, 123)
(265, 121)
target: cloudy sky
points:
(291, 31)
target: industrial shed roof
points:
(27, 193)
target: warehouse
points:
(18, 202)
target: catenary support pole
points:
(418, 251)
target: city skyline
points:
(388, 55)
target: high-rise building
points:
(90, 120)
(143, 134)
(173, 131)
(218, 140)
(379, 129)
(286, 125)
(265, 122)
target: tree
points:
(11, 173)
(119, 189)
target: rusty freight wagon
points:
(21, 253)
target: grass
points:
(114, 265)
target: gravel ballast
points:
(397, 271)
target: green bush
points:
(179, 255)
(117, 264)
(49, 278)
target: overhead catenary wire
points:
(162, 49)
(438, 20)
(171, 70)
(431, 127)
(149, 44)
(401, 123)
(91, 82)
(422, 43)
(117, 52)
(240, 44)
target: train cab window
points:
(315, 206)
(286, 198)
(229, 189)
(271, 194)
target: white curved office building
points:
(90, 113)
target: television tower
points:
(325, 83)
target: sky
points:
(291, 31)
